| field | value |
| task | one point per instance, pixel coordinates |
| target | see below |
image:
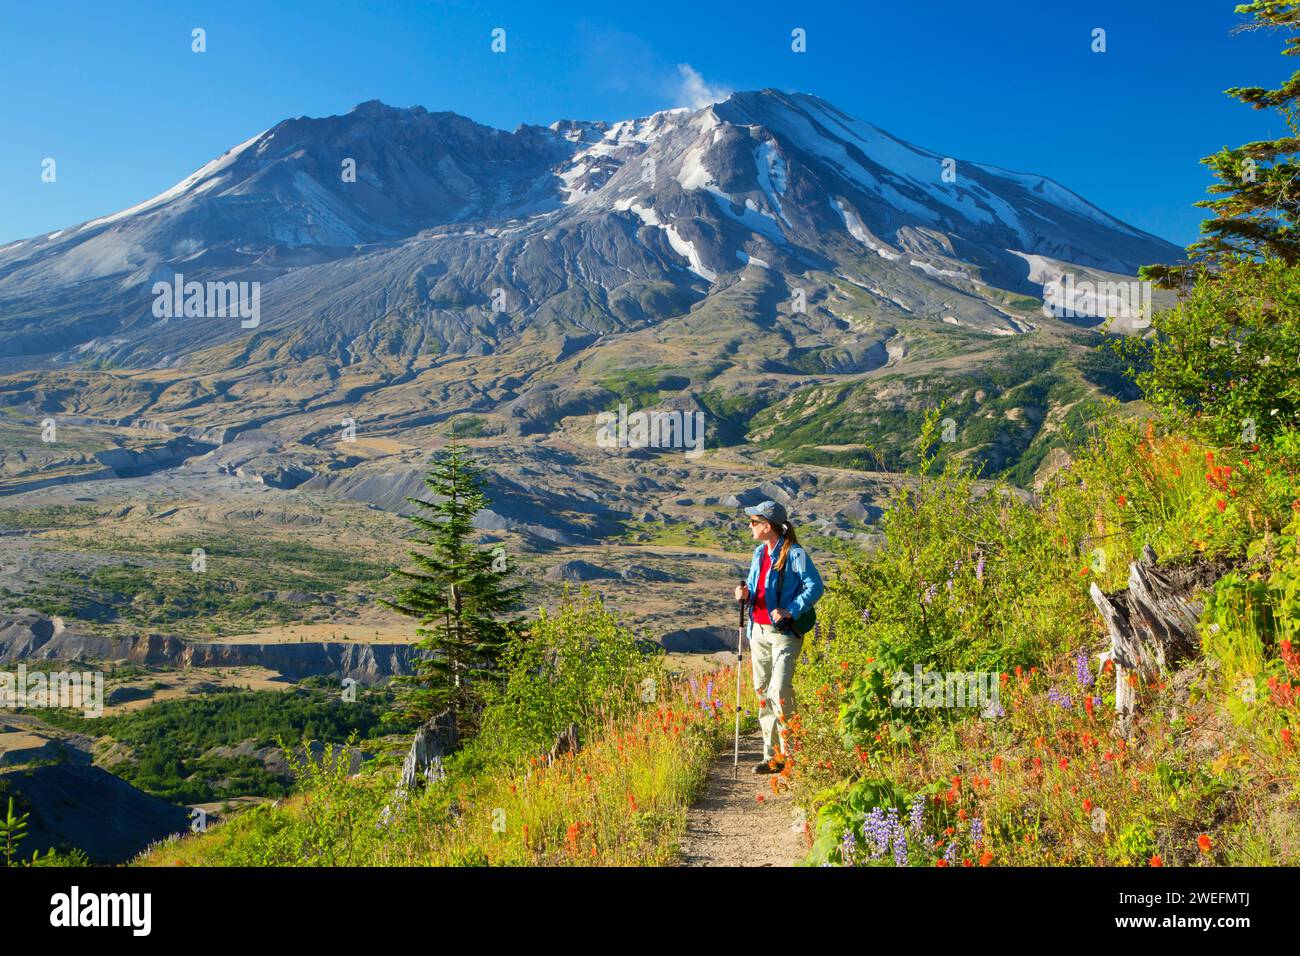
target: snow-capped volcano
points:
(455, 237)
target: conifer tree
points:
(1257, 198)
(457, 591)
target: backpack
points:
(802, 624)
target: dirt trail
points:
(729, 826)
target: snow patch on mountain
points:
(1056, 194)
(859, 232)
(686, 249)
(646, 214)
(749, 216)
(772, 179)
(931, 270)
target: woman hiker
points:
(780, 592)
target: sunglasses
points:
(757, 521)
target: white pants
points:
(772, 657)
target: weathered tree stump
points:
(1152, 624)
(566, 742)
(435, 739)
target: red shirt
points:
(761, 616)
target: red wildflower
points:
(1155, 860)
(1204, 843)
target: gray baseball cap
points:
(769, 511)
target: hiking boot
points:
(763, 766)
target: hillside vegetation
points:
(965, 581)
(621, 799)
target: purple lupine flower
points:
(918, 811)
(976, 830)
(1056, 697)
(900, 850)
(866, 615)
(1096, 702)
(949, 585)
(708, 689)
(876, 831)
(1082, 672)
(695, 688)
(950, 853)
(929, 594)
(896, 831)
(848, 846)
(979, 569)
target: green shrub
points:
(1223, 363)
(577, 665)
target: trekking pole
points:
(740, 640)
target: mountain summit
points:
(470, 238)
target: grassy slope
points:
(1210, 773)
(621, 800)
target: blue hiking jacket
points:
(802, 583)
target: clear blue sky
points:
(113, 92)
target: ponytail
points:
(788, 541)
